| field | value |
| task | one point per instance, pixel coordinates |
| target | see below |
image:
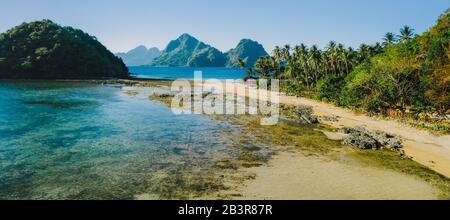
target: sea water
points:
(81, 140)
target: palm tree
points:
(265, 66)
(286, 52)
(325, 63)
(277, 54)
(302, 59)
(389, 38)
(406, 33)
(341, 59)
(314, 61)
(241, 63)
(345, 57)
(332, 54)
(377, 49)
(363, 53)
(249, 73)
(261, 67)
(351, 59)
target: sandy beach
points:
(422, 146)
(294, 176)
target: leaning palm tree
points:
(265, 66)
(389, 38)
(406, 33)
(277, 54)
(261, 67)
(241, 63)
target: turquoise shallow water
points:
(173, 73)
(79, 140)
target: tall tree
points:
(314, 60)
(389, 38)
(286, 52)
(332, 54)
(406, 33)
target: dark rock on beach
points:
(364, 139)
(330, 118)
(305, 115)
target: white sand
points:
(294, 176)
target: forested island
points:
(46, 50)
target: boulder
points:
(330, 118)
(388, 140)
(365, 139)
(304, 113)
(361, 140)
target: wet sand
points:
(422, 146)
(294, 176)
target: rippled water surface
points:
(79, 140)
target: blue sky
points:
(122, 25)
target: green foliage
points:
(308, 65)
(247, 51)
(188, 51)
(378, 86)
(413, 74)
(406, 73)
(435, 47)
(44, 49)
(329, 88)
(208, 57)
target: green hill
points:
(411, 74)
(188, 51)
(247, 50)
(46, 50)
(139, 56)
(208, 57)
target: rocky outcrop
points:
(305, 115)
(188, 51)
(248, 51)
(364, 139)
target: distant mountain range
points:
(139, 56)
(186, 50)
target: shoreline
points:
(424, 147)
(293, 172)
(430, 150)
(293, 176)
